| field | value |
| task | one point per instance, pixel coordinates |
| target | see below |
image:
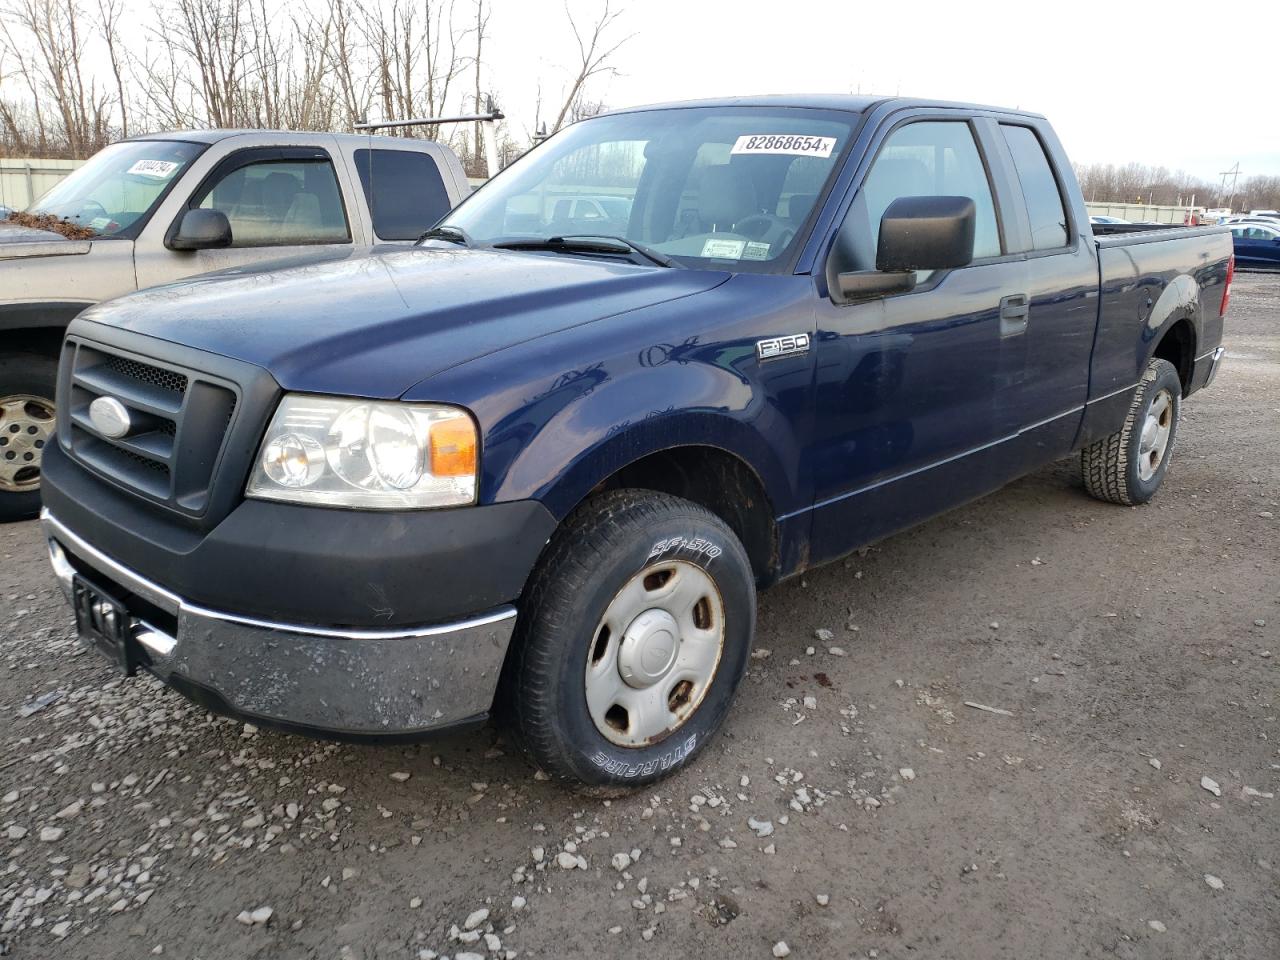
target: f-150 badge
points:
(777, 347)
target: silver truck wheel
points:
(655, 653)
(1128, 466)
(26, 428)
(633, 635)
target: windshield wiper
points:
(449, 233)
(590, 243)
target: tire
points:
(27, 383)
(1124, 467)
(624, 550)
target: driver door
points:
(281, 202)
(908, 386)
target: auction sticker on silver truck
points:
(789, 143)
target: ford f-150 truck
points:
(168, 206)
(534, 466)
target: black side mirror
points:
(202, 230)
(916, 233)
(927, 233)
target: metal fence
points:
(24, 180)
(1141, 212)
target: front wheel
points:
(27, 384)
(633, 637)
(1127, 466)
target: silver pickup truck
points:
(165, 207)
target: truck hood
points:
(377, 325)
(19, 241)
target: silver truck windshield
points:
(118, 185)
(701, 186)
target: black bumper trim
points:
(357, 568)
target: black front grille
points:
(179, 420)
(169, 380)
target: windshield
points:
(118, 185)
(705, 185)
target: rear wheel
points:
(1128, 466)
(27, 384)
(633, 637)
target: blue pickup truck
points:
(540, 463)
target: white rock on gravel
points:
(518, 903)
(761, 828)
(51, 834)
(1154, 762)
(823, 899)
(16, 832)
(906, 773)
(60, 930)
(1157, 926)
(824, 635)
(1211, 785)
(400, 776)
(475, 918)
(1214, 882)
(780, 949)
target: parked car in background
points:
(160, 208)
(1273, 214)
(1256, 244)
(366, 498)
(1101, 219)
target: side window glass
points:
(925, 159)
(404, 190)
(280, 203)
(1045, 209)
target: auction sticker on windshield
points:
(156, 169)
(723, 249)
(788, 143)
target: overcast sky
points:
(1162, 83)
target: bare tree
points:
(109, 25)
(44, 41)
(594, 56)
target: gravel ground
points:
(1119, 802)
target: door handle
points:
(1015, 310)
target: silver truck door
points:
(283, 201)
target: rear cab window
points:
(1046, 212)
(404, 190)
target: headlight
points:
(362, 453)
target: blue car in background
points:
(1256, 244)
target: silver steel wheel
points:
(654, 653)
(26, 425)
(1153, 444)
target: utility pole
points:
(1234, 174)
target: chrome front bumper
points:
(337, 681)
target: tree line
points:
(76, 75)
(1138, 183)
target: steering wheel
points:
(766, 228)
(87, 211)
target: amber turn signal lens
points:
(453, 448)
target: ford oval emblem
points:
(109, 417)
